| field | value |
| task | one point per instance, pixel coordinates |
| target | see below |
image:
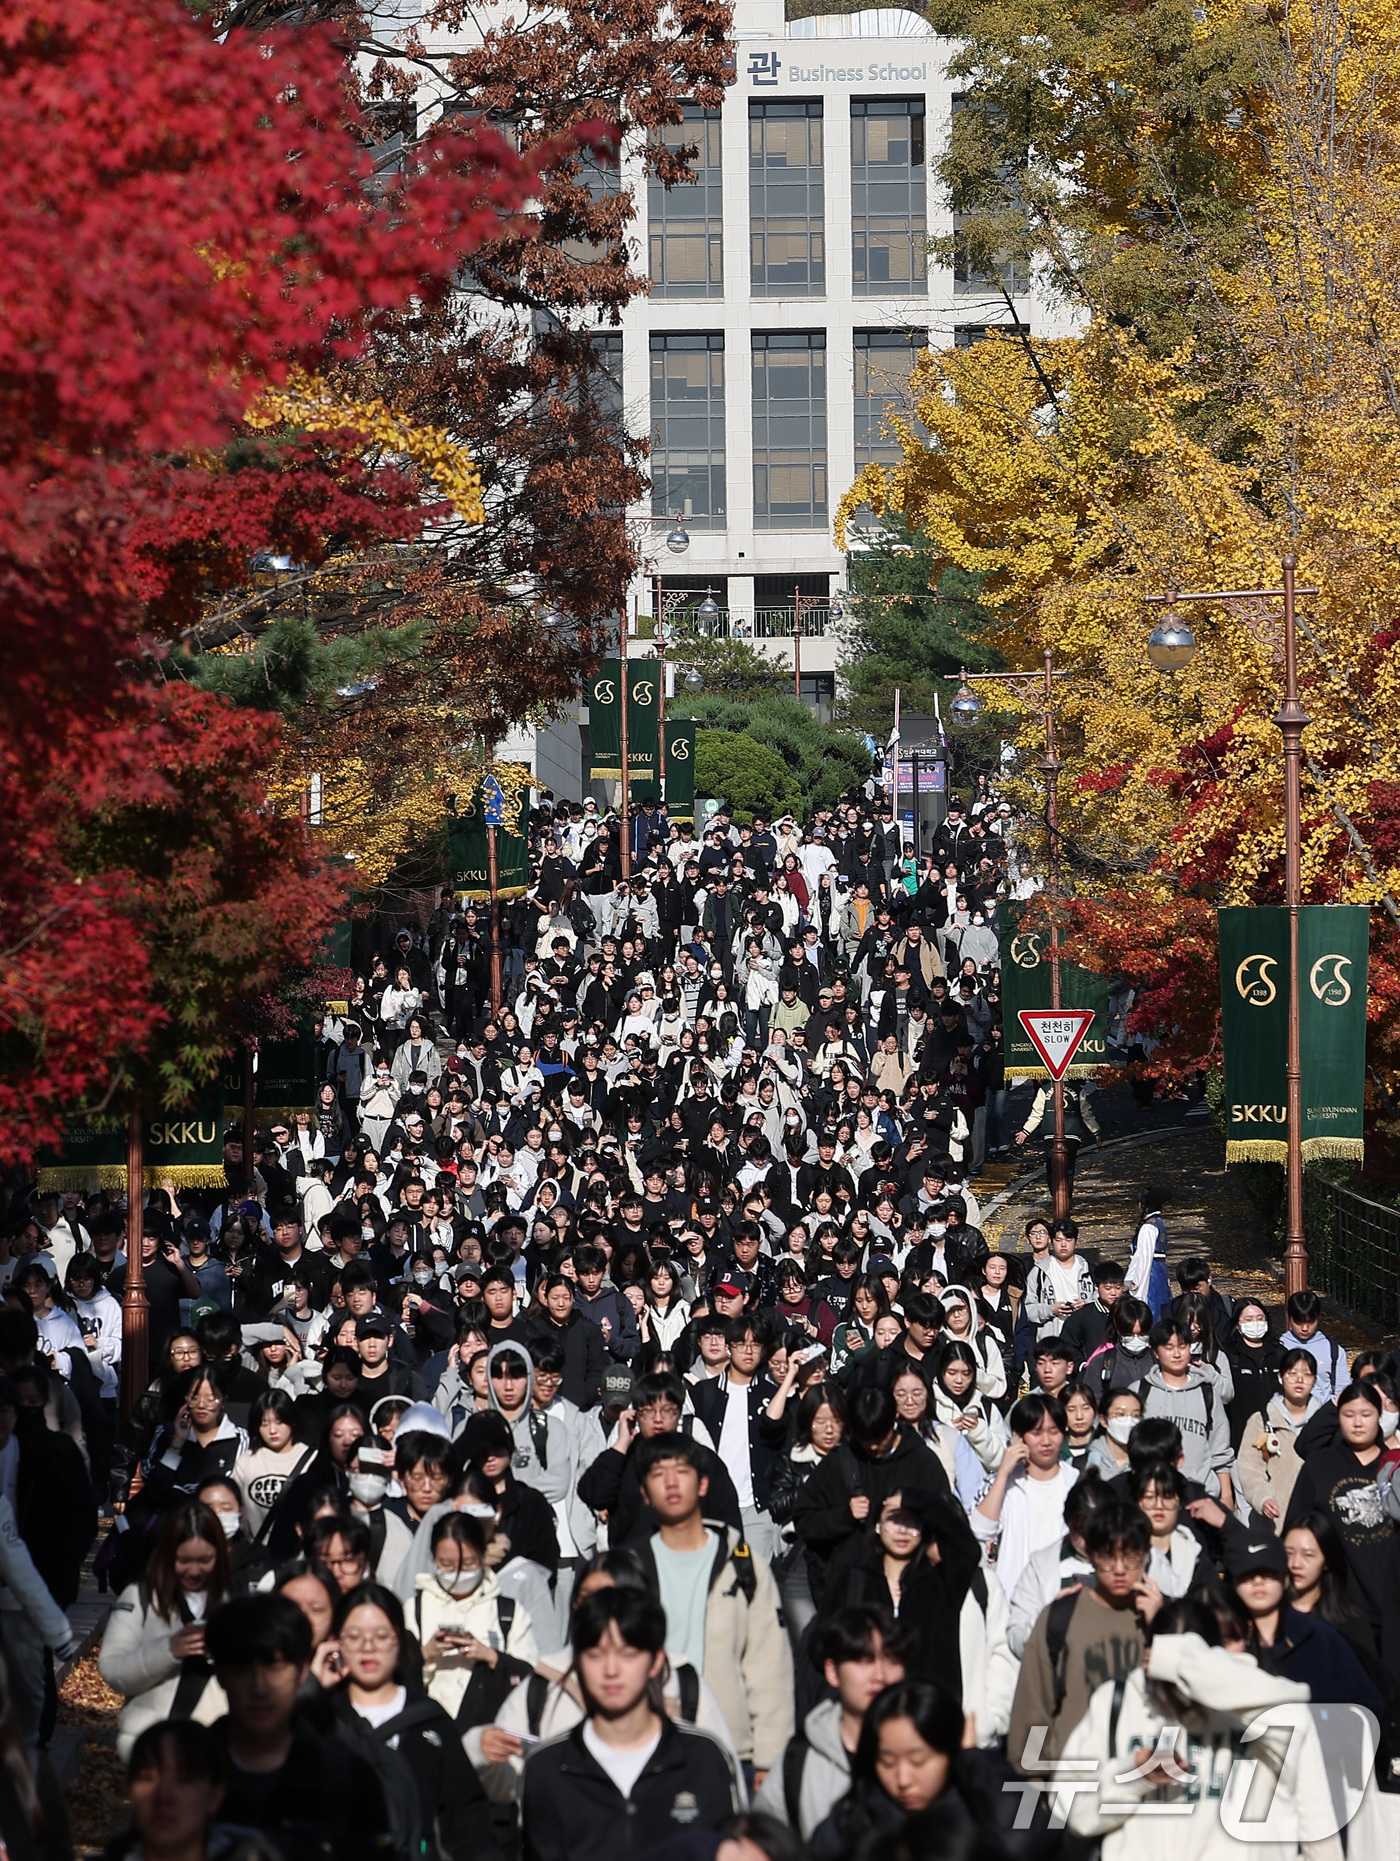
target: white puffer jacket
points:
(136, 1660)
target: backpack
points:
(537, 1693)
(794, 1763)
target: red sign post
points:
(1056, 1034)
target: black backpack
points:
(403, 1837)
(537, 1693)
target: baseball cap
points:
(617, 1388)
(204, 1308)
(197, 1227)
(730, 1286)
(373, 1326)
(1256, 1550)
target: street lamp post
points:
(135, 1307)
(1171, 646)
(966, 708)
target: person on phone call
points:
(1085, 1637)
(168, 1280)
(612, 1485)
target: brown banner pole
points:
(135, 1311)
(1292, 720)
(625, 812)
(492, 880)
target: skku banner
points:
(605, 724)
(680, 770)
(1025, 983)
(1333, 948)
(469, 865)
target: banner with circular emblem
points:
(1333, 949)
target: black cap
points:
(374, 1326)
(1254, 1550)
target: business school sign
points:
(767, 71)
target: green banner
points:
(184, 1149)
(1025, 983)
(286, 1076)
(680, 770)
(92, 1156)
(605, 724)
(1254, 1029)
(1333, 952)
(469, 864)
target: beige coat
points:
(748, 1661)
(922, 957)
(1271, 1476)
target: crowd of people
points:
(600, 1428)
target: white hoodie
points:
(1288, 1778)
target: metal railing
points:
(1353, 1249)
(748, 623)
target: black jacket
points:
(322, 1803)
(931, 1597)
(822, 1515)
(573, 1811)
(611, 1485)
(710, 1400)
(585, 1357)
(55, 1509)
(454, 1814)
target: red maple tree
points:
(186, 220)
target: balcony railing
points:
(744, 623)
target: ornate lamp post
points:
(1172, 645)
(1038, 688)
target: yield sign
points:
(1055, 1033)
(493, 799)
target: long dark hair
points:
(191, 1519)
(1186, 1615)
(812, 1399)
(1335, 1604)
(371, 1595)
(867, 1813)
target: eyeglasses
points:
(374, 1638)
(344, 1563)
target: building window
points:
(602, 182)
(1008, 276)
(884, 361)
(687, 428)
(685, 221)
(966, 334)
(889, 225)
(786, 200)
(607, 373)
(789, 430)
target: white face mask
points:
(1390, 1421)
(422, 1279)
(1134, 1345)
(1120, 1427)
(231, 1522)
(1254, 1329)
(460, 1582)
(368, 1488)
(938, 1229)
(366, 1232)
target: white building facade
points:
(791, 288)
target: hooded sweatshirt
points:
(991, 1378)
(1231, 1690)
(1199, 1412)
(547, 1457)
(825, 1775)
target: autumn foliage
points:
(185, 222)
(1077, 476)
